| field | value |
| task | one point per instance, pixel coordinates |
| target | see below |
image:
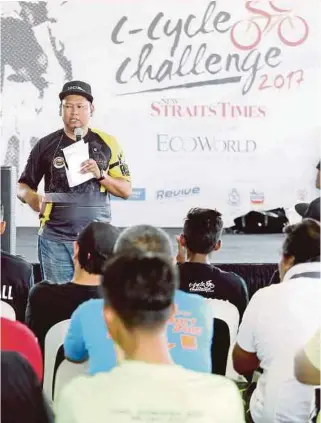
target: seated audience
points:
(190, 330)
(16, 278)
(307, 367)
(22, 400)
(202, 236)
(278, 320)
(17, 337)
(50, 303)
(147, 386)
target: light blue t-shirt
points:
(189, 333)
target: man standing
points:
(64, 210)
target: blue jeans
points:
(56, 260)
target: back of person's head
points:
(146, 238)
(301, 245)
(202, 230)
(302, 241)
(138, 290)
(22, 399)
(95, 245)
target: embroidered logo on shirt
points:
(59, 162)
(206, 286)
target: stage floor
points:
(235, 248)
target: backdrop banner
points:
(214, 102)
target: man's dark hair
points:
(202, 230)
(140, 287)
(302, 241)
(96, 244)
(22, 398)
(146, 238)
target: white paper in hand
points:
(75, 155)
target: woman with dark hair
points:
(22, 399)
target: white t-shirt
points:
(278, 321)
(150, 393)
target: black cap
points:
(78, 88)
(98, 238)
(311, 210)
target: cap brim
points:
(64, 94)
(301, 208)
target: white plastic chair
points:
(66, 370)
(53, 341)
(226, 311)
(7, 311)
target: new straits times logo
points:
(191, 144)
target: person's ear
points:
(76, 250)
(60, 109)
(182, 240)
(111, 322)
(218, 245)
(92, 109)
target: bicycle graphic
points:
(244, 31)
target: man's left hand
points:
(90, 166)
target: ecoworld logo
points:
(177, 193)
(138, 194)
(256, 197)
(192, 144)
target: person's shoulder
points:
(210, 381)
(16, 328)
(108, 139)
(53, 136)
(89, 306)
(266, 294)
(22, 269)
(230, 277)
(45, 289)
(103, 135)
(83, 386)
(16, 260)
(190, 298)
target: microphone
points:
(78, 132)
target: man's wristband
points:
(102, 176)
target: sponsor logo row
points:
(255, 197)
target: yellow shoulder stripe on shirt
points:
(117, 156)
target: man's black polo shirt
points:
(68, 210)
